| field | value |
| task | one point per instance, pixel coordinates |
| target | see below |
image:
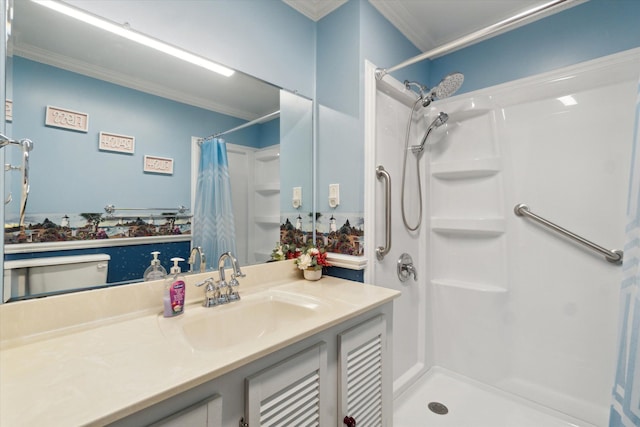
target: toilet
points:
(52, 274)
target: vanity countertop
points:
(100, 356)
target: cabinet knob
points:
(349, 421)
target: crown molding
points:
(315, 9)
(60, 61)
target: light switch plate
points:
(334, 195)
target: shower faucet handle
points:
(406, 268)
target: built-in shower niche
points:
(471, 260)
(468, 134)
(471, 198)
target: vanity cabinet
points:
(362, 381)
(202, 414)
(341, 372)
(289, 393)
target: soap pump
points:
(174, 291)
(155, 271)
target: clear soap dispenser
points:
(155, 271)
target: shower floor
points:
(470, 404)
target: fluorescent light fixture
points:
(135, 36)
(568, 100)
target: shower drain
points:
(438, 408)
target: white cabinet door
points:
(203, 414)
(363, 383)
(288, 393)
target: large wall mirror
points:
(111, 173)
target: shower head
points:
(447, 87)
(436, 123)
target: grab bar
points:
(381, 251)
(614, 256)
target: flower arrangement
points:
(312, 259)
(282, 252)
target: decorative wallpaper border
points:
(336, 233)
(55, 227)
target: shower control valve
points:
(406, 268)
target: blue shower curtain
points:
(625, 409)
(213, 227)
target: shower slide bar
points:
(614, 256)
(381, 251)
(479, 35)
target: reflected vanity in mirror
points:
(112, 172)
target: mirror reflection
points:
(113, 171)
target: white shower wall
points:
(505, 301)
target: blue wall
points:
(161, 128)
(352, 33)
(587, 31)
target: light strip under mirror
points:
(128, 33)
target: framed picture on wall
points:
(155, 164)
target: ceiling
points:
(432, 23)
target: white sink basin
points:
(254, 318)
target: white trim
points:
(347, 261)
(23, 248)
(369, 167)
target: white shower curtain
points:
(625, 409)
(213, 227)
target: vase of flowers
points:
(313, 275)
(311, 262)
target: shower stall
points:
(503, 320)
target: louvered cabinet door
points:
(288, 394)
(362, 380)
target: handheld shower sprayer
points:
(447, 87)
(436, 123)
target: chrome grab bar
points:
(614, 256)
(381, 251)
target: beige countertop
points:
(97, 356)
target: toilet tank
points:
(51, 274)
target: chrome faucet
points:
(231, 287)
(192, 259)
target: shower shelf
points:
(466, 169)
(469, 286)
(268, 188)
(481, 227)
(267, 157)
(268, 220)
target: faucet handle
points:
(205, 281)
(211, 292)
(233, 283)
